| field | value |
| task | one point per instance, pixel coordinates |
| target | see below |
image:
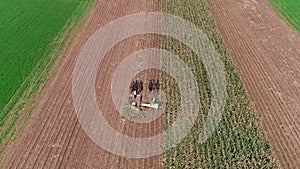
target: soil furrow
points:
(266, 53)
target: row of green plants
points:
(238, 141)
(289, 10)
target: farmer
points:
(130, 100)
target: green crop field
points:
(289, 10)
(238, 141)
(31, 36)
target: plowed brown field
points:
(54, 138)
(267, 54)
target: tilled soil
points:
(265, 50)
(267, 54)
(54, 138)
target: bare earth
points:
(54, 138)
(267, 54)
(265, 50)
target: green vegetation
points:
(289, 10)
(32, 34)
(238, 141)
(130, 112)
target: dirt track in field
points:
(267, 54)
(54, 138)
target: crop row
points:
(238, 141)
(289, 10)
(32, 36)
